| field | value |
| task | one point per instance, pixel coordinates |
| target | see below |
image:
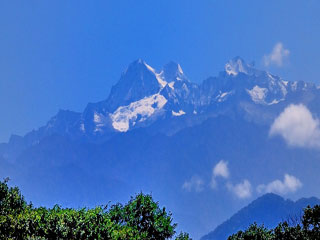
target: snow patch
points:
(284, 90)
(140, 110)
(285, 83)
(180, 69)
(161, 81)
(294, 86)
(177, 114)
(99, 120)
(82, 128)
(223, 96)
(171, 85)
(233, 67)
(258, 94)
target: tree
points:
(146, 216)
(285, 232)
(12, 206)
(141, 218)
(254, 232)
(183, 236)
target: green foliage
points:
(254, 232)
(12, 206)
(311, 221)
(308, 229)
(145, 215)
(285, 232)
(183, 236)
(141, 218)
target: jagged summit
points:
(238, 65)
(173, 66)
(138, 66)
(172, 71)
(138, 81)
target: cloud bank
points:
(297, 126)
(242, 189)
(290, 184)
(277, 56)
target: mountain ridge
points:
(269, 210)
(146, 94)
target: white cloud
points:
(297, 126)
(241, 190)
(277, 56)
(221, 169)
(289, 184)
(194, 184)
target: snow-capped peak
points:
(138, 81)
(237, 65)
(142, 64)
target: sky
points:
(63, 54)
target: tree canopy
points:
(141, 218)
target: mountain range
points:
(144, 96)
(159, 132)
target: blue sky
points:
(63, 54)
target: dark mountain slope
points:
(269, 210)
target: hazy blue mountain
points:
(269, 210)
(157, 130)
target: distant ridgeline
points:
(268, 210)
(306, 229)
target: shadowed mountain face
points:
(269, 210)
(155, 132)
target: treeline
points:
(306, 228)
(141, 218)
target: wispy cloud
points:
(277, 56)
(289, 184)
(242, 190)
(297, 126)
(194, 184)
